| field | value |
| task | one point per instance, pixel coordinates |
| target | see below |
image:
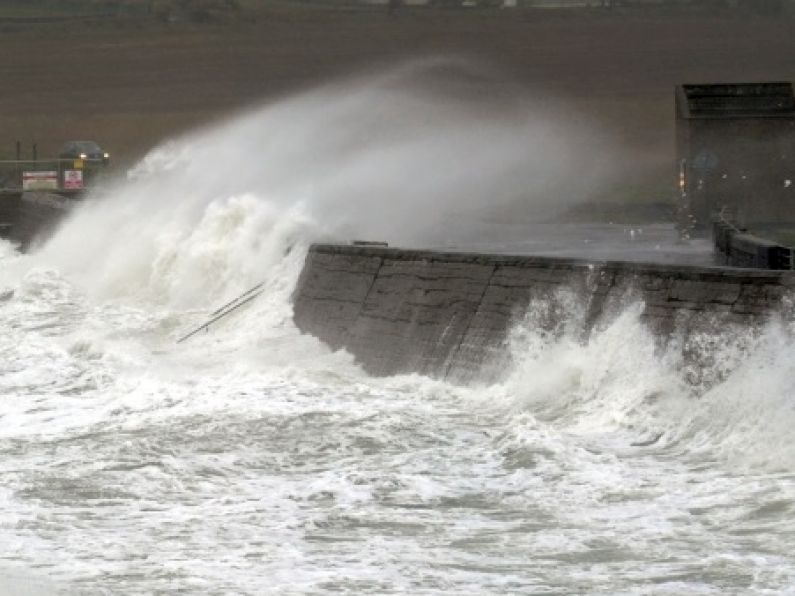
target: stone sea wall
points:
(28, 216)
(449, 315)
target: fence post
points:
(17, 170)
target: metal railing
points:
(13, 171)
(754, 250)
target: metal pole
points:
(18, 172)
(684, 208)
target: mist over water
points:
(253, 460)
(418, 153)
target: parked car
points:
(86, 150)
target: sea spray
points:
(727, 398)
(380, 157)
(254, 459)
(254, 454)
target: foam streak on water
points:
(252, 460)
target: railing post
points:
(17, 170)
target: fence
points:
(48, 174)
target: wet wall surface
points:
(26, 217)
(450, 314)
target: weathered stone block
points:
(450, 314)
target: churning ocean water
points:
(253, 460)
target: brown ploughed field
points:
(131, 81)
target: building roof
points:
(735, 100)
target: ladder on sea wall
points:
(225, 310)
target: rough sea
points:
(251, 459)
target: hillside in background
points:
(129, 76)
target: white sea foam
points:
(252, 459)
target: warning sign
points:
(73, 179)
(39, 180)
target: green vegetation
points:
(163, 9)
(50, 8)
(199, 11)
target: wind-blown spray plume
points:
(401, 157)
(253, 452)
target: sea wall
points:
(449, 314)
(28, 216)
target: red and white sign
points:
(39, 180)
(72, 179)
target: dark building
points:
(736, 152)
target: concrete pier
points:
(449, 315)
